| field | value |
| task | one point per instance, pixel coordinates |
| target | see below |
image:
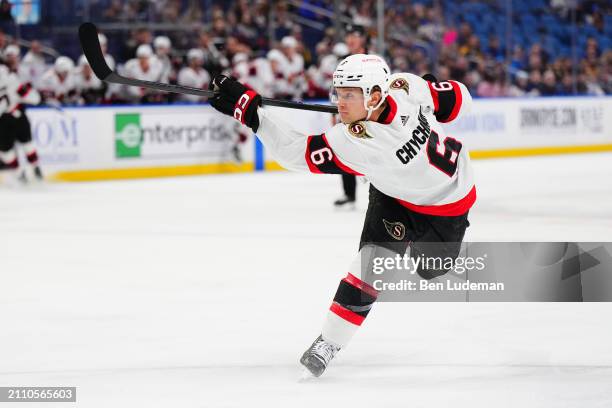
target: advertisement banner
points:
(174, 134)
(129, 137)
(504, 123)
(124, 137)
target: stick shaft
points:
(88, 35)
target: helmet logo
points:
(358, 130)
(400, 83)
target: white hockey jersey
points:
(133, 69)
(196, 79)
(405, 154)
(288, 78)
(56, 88)
(257, 75)
(84, 82)
(35, 66)
(14, 93)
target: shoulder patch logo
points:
(395, 229)
(358, 129)
(400, 83)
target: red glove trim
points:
(243, 104)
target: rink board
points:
(98, 143)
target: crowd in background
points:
(419, 39)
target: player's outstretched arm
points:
(290, 148)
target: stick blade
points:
(88, 35)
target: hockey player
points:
(12, 60)
(254, 73)
(330, 62)
(421, 180)
(144, 66)
(57, 85)
(15, 128)
(89, 88)
(288, 67)
(194, 75)
(34, 63)
(110, 61)
(162, 46)
(113, 91)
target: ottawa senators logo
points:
(395, 229)
(358, 129)
(400, 83)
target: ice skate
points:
(38, 173)
(347, 203)
(22, 177)
(317, 357)
(236, 155)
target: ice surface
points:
(204, 292)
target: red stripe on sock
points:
(346, 314)
(33, 157)
(361, 285)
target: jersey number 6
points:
(442, 86)
(318, 156)
(443, 155)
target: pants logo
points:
(395, 229)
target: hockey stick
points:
(88, 35)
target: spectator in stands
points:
(549, 84)
(495, 48)
(219, 30)
(3, 42)
(137, 38)
(472, 48)
(443, 73)
(418, 40)
(246, 29)
(170, 11)
(537, 53)
(567, 86)
(5, 12)
(491, 86)
(356, 39)
(593, 87)
(215, 60)
(464, 34)
(517, 62)
(535, 82)
(520, 84)
(114, 11)
(193, 13)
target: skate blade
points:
(346, 207)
